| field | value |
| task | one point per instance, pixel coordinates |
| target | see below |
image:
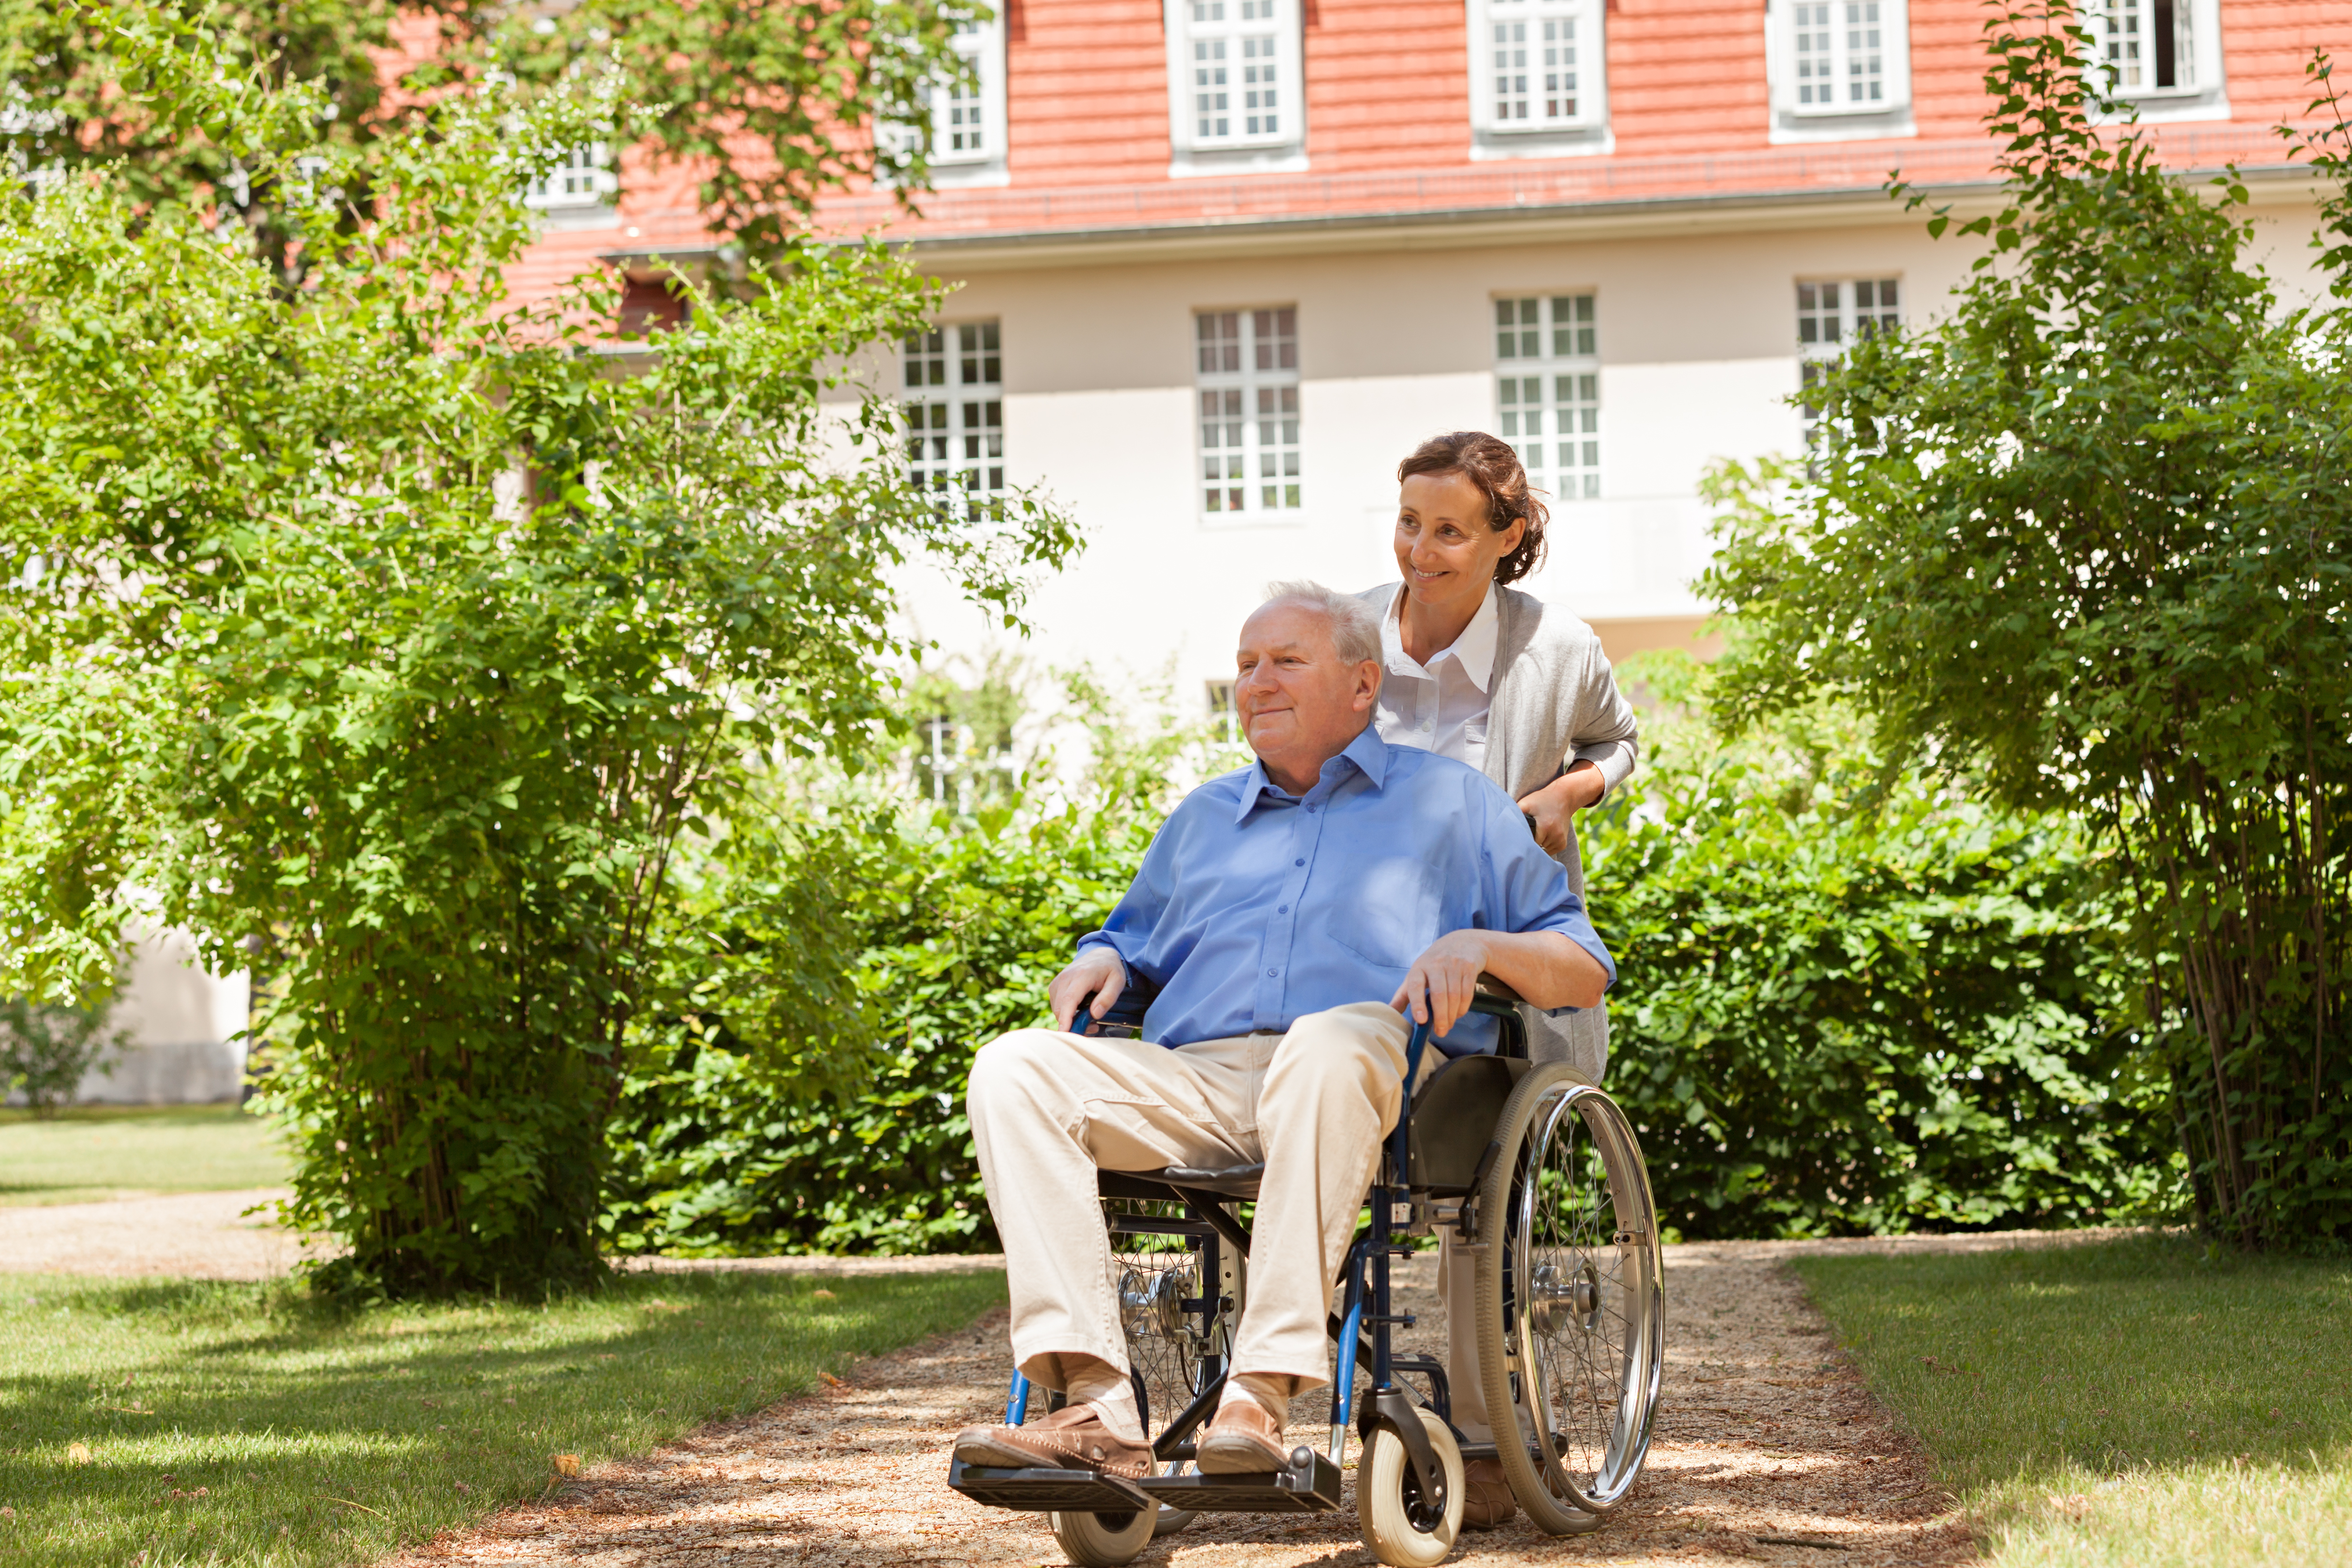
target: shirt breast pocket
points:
(1388, 913)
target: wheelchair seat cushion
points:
(1234, 1181)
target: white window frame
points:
(2197, 91)
(1559, 350)
(1825, 326)
(1234, 26)
(583, 180)
(1245, 416)
(981, 46)
(1496, 132)
(954, 412)
(1797, 115)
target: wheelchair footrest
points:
(1040, 1491)
(1310, 1488)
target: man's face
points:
(1300, 703)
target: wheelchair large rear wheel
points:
(1570, 1298)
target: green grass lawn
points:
(317, 1438)
(94, 1151)
(2141, 1402)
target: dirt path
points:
(185, 1236)
(1768, 1450)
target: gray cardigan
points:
(1553, 701)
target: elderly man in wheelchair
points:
(1306, 929)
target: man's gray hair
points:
(1355, 625)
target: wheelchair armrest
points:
(1124, 1020)
(1494, 996)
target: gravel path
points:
(186, 1235)
(1767, 1450)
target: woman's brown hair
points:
(1494, 467)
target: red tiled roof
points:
(1388, 126)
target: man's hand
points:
(1545, 967)
(1439, 987)
(1554, 807)
(1098, 970)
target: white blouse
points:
(1442, 706)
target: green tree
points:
(2082, 545)
(380, 633)
(773, 101)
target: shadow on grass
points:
(319, 1435)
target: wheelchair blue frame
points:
(1363, 1330)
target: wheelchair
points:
(1538, 1175)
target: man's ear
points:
(1367, 686)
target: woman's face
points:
(1443, 545)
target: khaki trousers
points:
(1049, 1109)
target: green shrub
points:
(1851, 1003)
(947, 928)
(1847, 1004)
(46, 1050)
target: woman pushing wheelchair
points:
(1480, 672)
(1303, 926)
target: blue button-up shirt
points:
(1255, 907)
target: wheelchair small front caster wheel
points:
(1103, 1539)
(1403, 1529)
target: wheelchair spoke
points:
(1154, 1274)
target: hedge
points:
(1847, 1004)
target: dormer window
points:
(1841, 69)
(1236, 99)
(1537, 86)
(2161, 57)
(967, 143)
(581, 179)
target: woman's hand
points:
(1098, 970)
(1555, 805)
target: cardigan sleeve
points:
(1606, 733)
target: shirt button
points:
(1298, 862)
(1282, 909)
(1274, 971)
(1310, 811)
(1424, 724)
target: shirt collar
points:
(1473, 650)
(1367, 752)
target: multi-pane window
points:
(954, 404)
(1237, 82)
(1547, 391)
(967, 125)
(2144, 45)
(1247, 365)
(1840, 54)
(1535, 58)
(1832, 314)
(1840, 68)
(583, 177)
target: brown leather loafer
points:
(1241, 1440)
(1486, 1500)
(1073, 1437)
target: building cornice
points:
(1839, 186)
